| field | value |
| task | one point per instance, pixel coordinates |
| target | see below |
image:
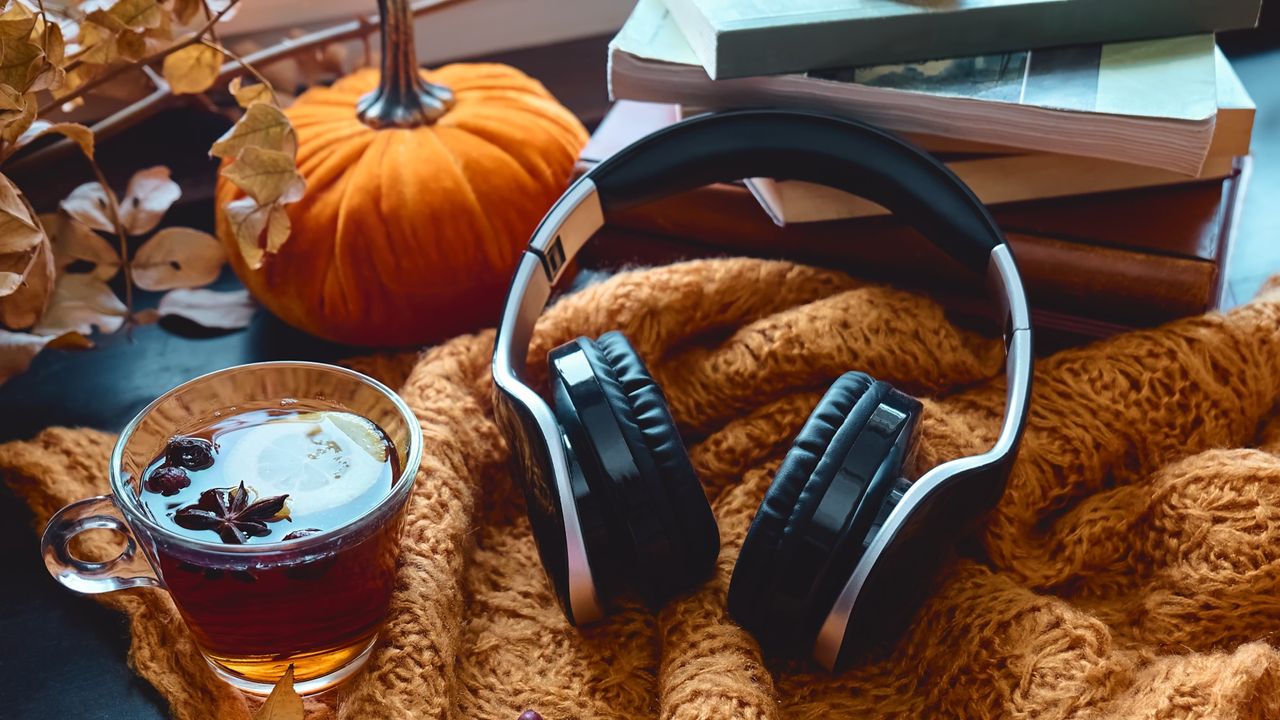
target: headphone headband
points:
(836, 152)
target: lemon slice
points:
(321, 460)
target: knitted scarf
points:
(1132, 569)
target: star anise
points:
(228, 512)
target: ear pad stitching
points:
(779, 504)
(695, 520)
(665, 552)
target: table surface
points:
(64, 656)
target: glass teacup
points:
(316, 602)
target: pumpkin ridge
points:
(337, 274)
(492, 232)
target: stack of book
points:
(1113, 151)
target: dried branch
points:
(359, 28)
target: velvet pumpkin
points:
(419, 199)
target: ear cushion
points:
(642, 412)
(800, 483)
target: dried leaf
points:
(131, 45)
(12, 104)
(77, 133)
(178, 258)
(264, 126)
(23, 307)
(248, 220)
(209, 308)
(150, 194)
(51, 74)
(73, 242)
(278, 227)
(247, 95)
(148, 316)
(268, 176)
(20, 231)
(88, 204)
(16, 22)
(192, 69)
(17, 350)
(283, 703)
(15, 128)
(20, 62)
(137, 14)
(185, 10)
(80, 303)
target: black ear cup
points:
(663, 533)
(816, 515)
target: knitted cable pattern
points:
(1132, 569)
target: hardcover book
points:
(1151, 103)
(738, 38)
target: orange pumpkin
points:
(419, 200)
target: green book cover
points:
(737, 38)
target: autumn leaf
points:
(185, 10)
(77, 133)
(248, 220)
(51, 75)
(17, 350)
(268, 176)
(19, 229)
(23, 307)
(80, 303)
(88, 204)
(131, 45)
(230, 310)
(20, 62)
(136, 15)
(283, 703)
(247, 95)
(178, 258)
(16, 22)
(150, 194)
(263, 126)
(192, 69)
(73, 242)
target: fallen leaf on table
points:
(19, 229)
(24, 306)
(283, 703)
(268, 176)
(73, 242)
(148, 197)
(192, 69)
(230, 310)
(262, 125)
(80, 303)
(247, 95)
(18, 349)
(88, 204)
(178, 257)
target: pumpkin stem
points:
(403, 98)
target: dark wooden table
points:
(63, 656)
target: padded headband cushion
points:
(642, 412)
(817, 148)
(795, 492)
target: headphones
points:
(843, 545)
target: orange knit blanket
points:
(1132, 569)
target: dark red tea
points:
(278, 475)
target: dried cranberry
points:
(167, 480)
(530, 715)
(190, 453)
(296, 534)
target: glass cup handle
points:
(128, 569)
